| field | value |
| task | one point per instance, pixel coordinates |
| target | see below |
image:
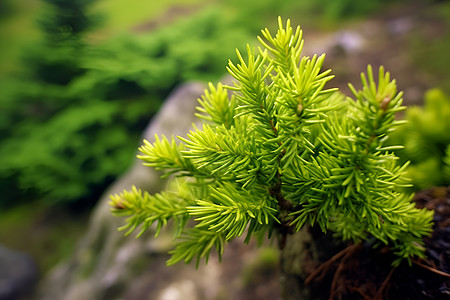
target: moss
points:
(260, 266)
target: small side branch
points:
(431, 269)
(323, 268)
(384, 285)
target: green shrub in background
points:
(258, 13)
(426, 137)
(430, 51)
(71, 123)
(30, 103)
(71, 138)
(56, 58)
(446, 168)
(5, 8)
(340, 9)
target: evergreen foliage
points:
(41, 136)
(426, 137)
(71, 138)
(57, 58)
(123, 80)
(280, 153)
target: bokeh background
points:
(80, 80)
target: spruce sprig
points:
(143, 209)
(280, 153)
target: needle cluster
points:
(277, 152)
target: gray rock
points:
(18, 274)
(106, 262)
(107, 265)
(349, 41)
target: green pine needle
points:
(280, 153)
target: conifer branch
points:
(216, 107)
(197, 243)
(283, 152)
(165, 155)
(143, 209)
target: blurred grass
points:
(17, 29)
(18, 26)
(123, 14)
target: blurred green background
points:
(80, 80)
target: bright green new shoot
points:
(282, 152)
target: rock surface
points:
(18, 274)
(107, 265)
(106, 262)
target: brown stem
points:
(339, 270)
(326, 265)
(285, 206)
(384, 285)
(442, 273)
(284, 228)
(273, 127)
(360, 292)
